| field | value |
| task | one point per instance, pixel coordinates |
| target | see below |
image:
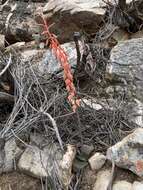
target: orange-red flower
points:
(63, 59)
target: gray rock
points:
(50, 60)
(122, 185)
(85, 14)
(137, 185)
(40, 163)
(86, 150)
(97, 161)
(8, 156)
(66, 166)
(136, 112)
(17, 21)
(99, 104)
(48, 162)
(102, 181)
(2, 42)
(128, 152)
(44, 60)
(127, 65)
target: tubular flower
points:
(63, 59)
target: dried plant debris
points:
(33, 92)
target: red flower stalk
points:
(63, 59)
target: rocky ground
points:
(49, 140)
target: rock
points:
(53, 64)
(138, 34)
(86, 150)
(2, 42)
(97, 161)
(43, 61)
(135, 111)
(8, 156)
(99, 104)
(137, 185)
(16, 46)
(39, 163)
(128, 152)
(48, 162)
(102, 181)
(127, 65)
(18, 22)
(122, 185)
(86, 14)
(92, 103)
(66, 165)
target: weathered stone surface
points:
(2, 42)
(86, 150)
(92, 103)
(122, 185)
(53, 64)
(128, 152)
(17, 21)
(8, 156)
(97, 161)
(136, 112)
(137, 185)
(43, 60)
(127, 65)
(85, 14)
(39, 163)
(49, 161)
(66, 166)
(102, 181)
(99, 104)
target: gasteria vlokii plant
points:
(63, 59)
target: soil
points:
(18, 181)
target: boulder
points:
(48, 162)
(53, 65)
(81, 14)
(128, 152)
(43, 61)
(122, 185)
(17, 20)
(97, 161)
(126, 66)
(39, 163)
